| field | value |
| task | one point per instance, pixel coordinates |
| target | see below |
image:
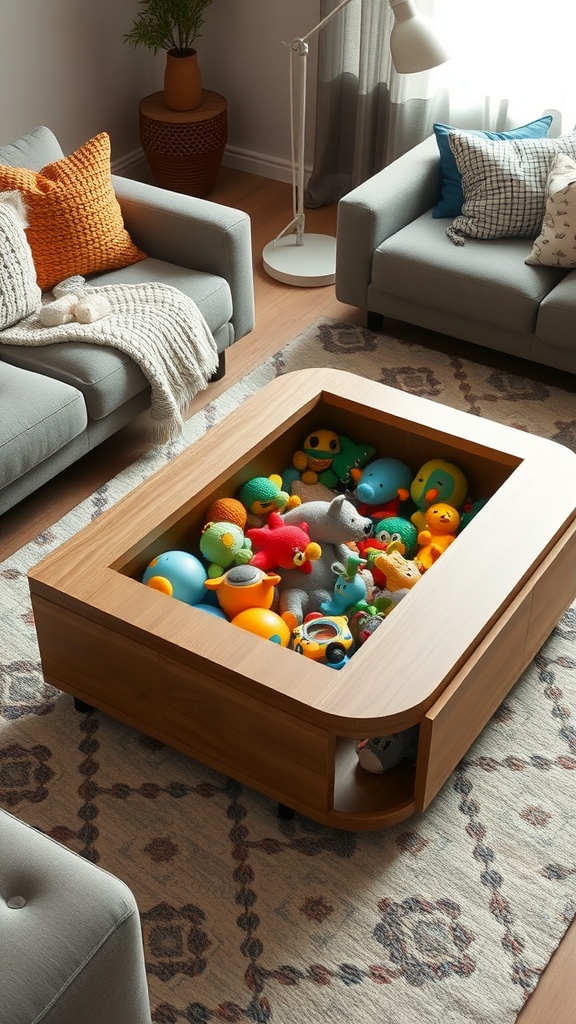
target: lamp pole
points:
(295, 257)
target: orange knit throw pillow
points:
(75, 221)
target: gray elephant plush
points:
(332, 524)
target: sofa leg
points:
(374, 321)
(221, 370)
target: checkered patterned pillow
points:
(504, 184)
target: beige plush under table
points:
(264, 715)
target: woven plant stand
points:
(184, 149)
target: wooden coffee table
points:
(264, 715)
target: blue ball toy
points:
(179, 574)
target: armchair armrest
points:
(377, 209)
(193, 233)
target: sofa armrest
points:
(377, 209)
(193, 233)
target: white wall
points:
(63, 63)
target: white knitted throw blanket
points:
(159, 327)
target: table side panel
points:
(272, 751)
(98, 665)
(467, 704)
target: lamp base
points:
(309, 265)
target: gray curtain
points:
(366, 114)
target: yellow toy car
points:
(324, 638)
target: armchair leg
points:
(374, 321)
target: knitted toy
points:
(391, 534)
(227, 510)
(350, 462)
(401, 575)
(278, 545)
(73, 303)
(223, 545)
(314, 460)
(436, 480)
(363, 624)
(332, 524)
(470, 509)
(263, 494)
(350, 589)
(382, 486)
(381, 753)
(440, 526)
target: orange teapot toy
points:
(243, 587)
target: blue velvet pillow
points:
(451, 195)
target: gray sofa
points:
(70, 937)
(60, 401)
(393, 259)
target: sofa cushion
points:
(487, 279)
(556, 243)
(504, 184)
(210, 292)
(105, 376)
(19, 291)
(451, 195)
(39, 416)
(75, 221)
(555, 324)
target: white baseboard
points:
(257, 163)
(134, 165)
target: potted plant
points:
(173, 25)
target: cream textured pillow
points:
(556, 243)
(19, 292)
(75, 223)
(504, 184)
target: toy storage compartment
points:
(355, 798)
(485, 469)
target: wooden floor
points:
(282, 311)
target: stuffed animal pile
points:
(321, 575)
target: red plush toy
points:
(278, 546)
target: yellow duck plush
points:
(437, 480)
(440, 526)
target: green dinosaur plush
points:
(351, 456)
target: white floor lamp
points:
(294, 256)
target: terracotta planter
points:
(182, 82)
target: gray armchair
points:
(394, 260)
(70, 937)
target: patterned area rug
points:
(449, 917)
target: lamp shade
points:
(414, 44)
